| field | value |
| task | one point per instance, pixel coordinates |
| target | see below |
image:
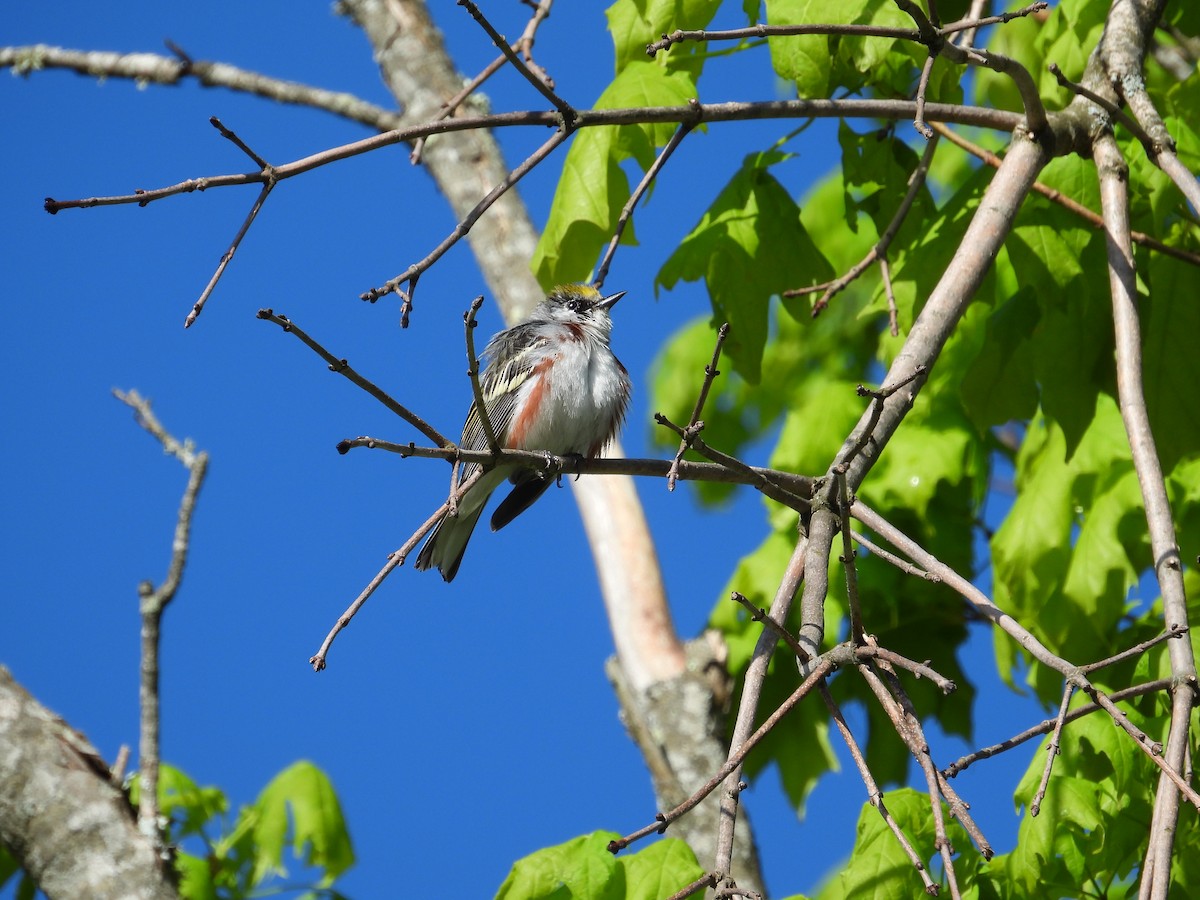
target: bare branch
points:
(152, 68)
(796, 486)
(343, 368)
(716, 112)
(564, 109)
(661, 160)
(154, 602)
(394, 561)
(694, 424)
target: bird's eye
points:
(574, 305)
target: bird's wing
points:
(501, 381)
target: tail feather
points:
(446, 544)
(519, 499)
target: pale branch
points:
(1045, 727)
(1027, 640)
(1053, 749)
(892, 559)
(908, 729)
(564, 109)
(1168, 567)
(153, 68)
(732, 768)
(153, 603)
(752, 685)
(892, 110)
(847, 557)
(481, 407)
(342, 367)
(874, 794)
(61, 817)
(797, 486)
(972, 260)
(461, 230)
(694, 424)
(394, 561)
(683, 131)
(1073, 206)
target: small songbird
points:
(550, 383)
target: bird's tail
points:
(447, 542)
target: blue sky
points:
(464, 725)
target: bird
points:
(550, 383)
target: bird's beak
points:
(610, 301)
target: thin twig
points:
(892, 110)
(460, 231)
(1107, 105)
(481, 408)
(524, 44)
(908, 728)
(394, 561)
(877, 400)
(887, 556)
(627, 210)
(227, 256)
(1053, 749)
(775, 490)
(732, 765)
(342, 367)
(1047, 725)
(694, 424)
(154, 601)
(916, 182)
(874, 794)
(564, 108)
(847, 557)
(1175, 631)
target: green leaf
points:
(1000, 385)
(318, 830)
(879, 868)
(188, 805)
(749, 246)
(660, 870)
(580, 869)
(636, 23)
(820, 63)
(1170, 364)
(593, 188)
(195, 877)
(1062, 559)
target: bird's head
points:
(579, 304)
